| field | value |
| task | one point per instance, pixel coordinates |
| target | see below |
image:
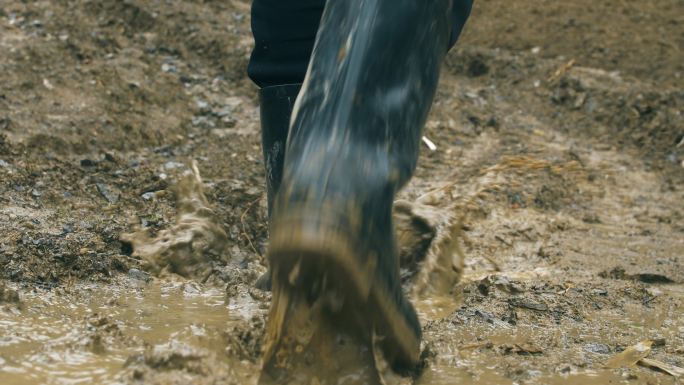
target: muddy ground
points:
(559, 171)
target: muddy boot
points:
(353, 143)
(275, 103)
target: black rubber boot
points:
(275, 104)
(353, 143)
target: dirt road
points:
(558, 170)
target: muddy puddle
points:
(86, 334)
(92, 333)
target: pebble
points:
(672, 157)
(173, 165)
(191, 289)
(202, 105)
(139, 275)
(203, 121)
(88, 163)
(599, 292)
(67, 228)
(107, 193)
(597, 348)
(167, 67)
(223, 112)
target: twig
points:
(561, 71)
(244, 227)
(505, 242)
(523, 232)
(494, 264)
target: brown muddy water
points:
(91, 334)
(86, 334)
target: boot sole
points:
(324, 251)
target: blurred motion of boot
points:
(353, 144)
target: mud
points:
(541, 238)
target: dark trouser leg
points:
(284, 34)
(285, 31)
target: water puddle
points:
(86, 334)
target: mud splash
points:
(306, 343)
(187, 247)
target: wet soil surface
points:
(550, 236)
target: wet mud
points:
(541, 239)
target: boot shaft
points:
(371, 81)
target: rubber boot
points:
(275, 105)
(353, 143)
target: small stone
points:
(597, 348)
(203, 121)
(191, 289)
(672, 157)
(223, 112)
(139, 275)
(528, 304)
(173, 165)
(602, 292)
(202, 105)
(8, 295)
(88, 163)
(168, 67)
(4, 124)
(67, 228)
(107, 193)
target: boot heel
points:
(326, 248)
(314, 254)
